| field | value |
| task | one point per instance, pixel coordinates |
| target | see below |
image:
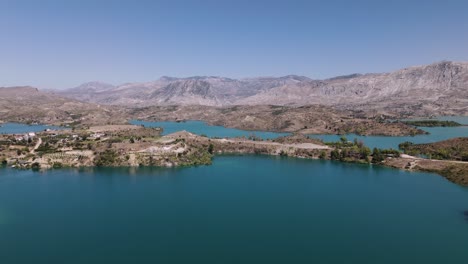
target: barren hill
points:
(440, 87)
(28, 104)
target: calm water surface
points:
(198, 127)
(16, 128)
(436, 134)
(201, 128)
(242, 209)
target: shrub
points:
(323, 154)
(106, 158)
(210, 148)
(57, 165)
(335, 154)
(36, 166)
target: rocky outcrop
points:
(436, 87)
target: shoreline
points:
(388, 163)
(135, 146)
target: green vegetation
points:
(379, 155)
(349, 151)
(46, 148)
(200, 157)
(57, 165)
(106, 158)
(432, 123)
(356, 151)
(452, 149)
(210, 148)
(323, 154)
(36, 166)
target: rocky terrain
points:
(312, 119)
(437, 89)
(127, 145)
(29, 105)
(361, 104)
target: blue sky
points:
(61, 44)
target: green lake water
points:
(241, 209)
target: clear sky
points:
(61, 44)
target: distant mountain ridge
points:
(440, 84)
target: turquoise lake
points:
(199, 127)
(16, 128)
(435, 134)
(241, 209)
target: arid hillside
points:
(440, 89)
(29, 105)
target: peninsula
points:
(131, 145)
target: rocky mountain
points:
(439, 85)
(197, 90)
(440, 81)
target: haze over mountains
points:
(442, 84)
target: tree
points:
(377, 156)
(464, 156)
(210, 148)
(344, 154)
(343, 139)
(323, 154)
(35, 166)
(364, 152)
(335, 154)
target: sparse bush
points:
(323, 154)
(57, 165)
(36, 166)
(210, 148)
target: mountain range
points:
(442, 84)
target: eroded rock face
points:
(435, 86)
